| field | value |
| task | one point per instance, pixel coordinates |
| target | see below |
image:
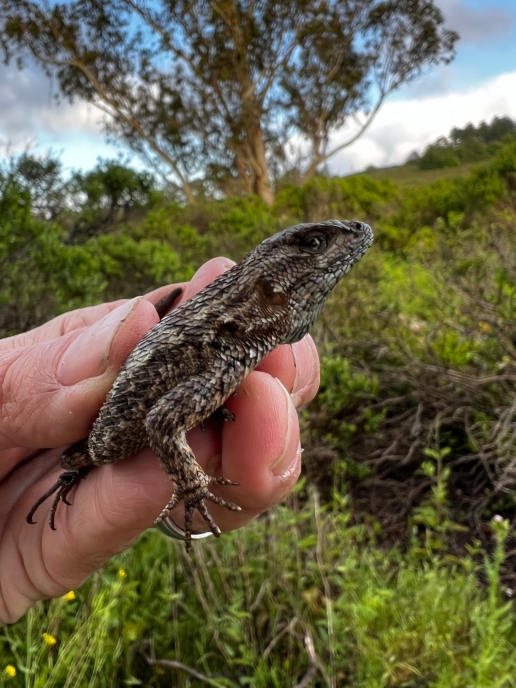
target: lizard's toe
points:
(222, 502)
(61, 488)
(222, 481)
(203, 510)
(174, 501)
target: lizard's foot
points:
(62, 487)
(194, 499)
(226, 414)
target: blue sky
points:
(488, 40)
(479, 84)
(488, 47)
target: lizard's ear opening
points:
(270, 292)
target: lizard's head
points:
(302, 264)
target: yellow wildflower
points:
(49, 639)
(484, 327)
(10, 671)
(69, 596)
(122, 573)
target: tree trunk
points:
(251, 121)
(263, 189)
(187, 190)
(258, 164)
(310, 170)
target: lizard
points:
(190, 362)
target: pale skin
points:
(53, 381)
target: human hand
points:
(53, 381)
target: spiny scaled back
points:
(271, 297)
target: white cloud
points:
(30, 119)
(29, 108)
(402, 126)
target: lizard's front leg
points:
(167, 424)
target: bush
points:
(354, 197)
(438, 157)
(40, 276)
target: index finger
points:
(75, 320)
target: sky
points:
(478, 85)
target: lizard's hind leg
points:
(167, 424)
(194, 496)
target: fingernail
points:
(87, 356)
(291, 454)
(299, 394)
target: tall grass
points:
(302, 597)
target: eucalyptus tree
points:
(216, 92)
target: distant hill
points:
(410, 175)
(470, 144)
(452, 155)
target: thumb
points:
(51, 392)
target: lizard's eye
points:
(315, 242)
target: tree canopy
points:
(214, 92)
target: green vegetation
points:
(410, 176)
(458, 154)
(402, 582)
(250, 611)
(470, 144)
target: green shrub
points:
(438, 157)
(40, 276)
(353, 197)
(133, 267)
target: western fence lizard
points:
(188, 364)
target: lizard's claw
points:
(62, 487)
(194, 499)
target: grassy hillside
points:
(393, 564)
(409, 175)
(457, 154)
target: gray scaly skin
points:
(186, 366)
